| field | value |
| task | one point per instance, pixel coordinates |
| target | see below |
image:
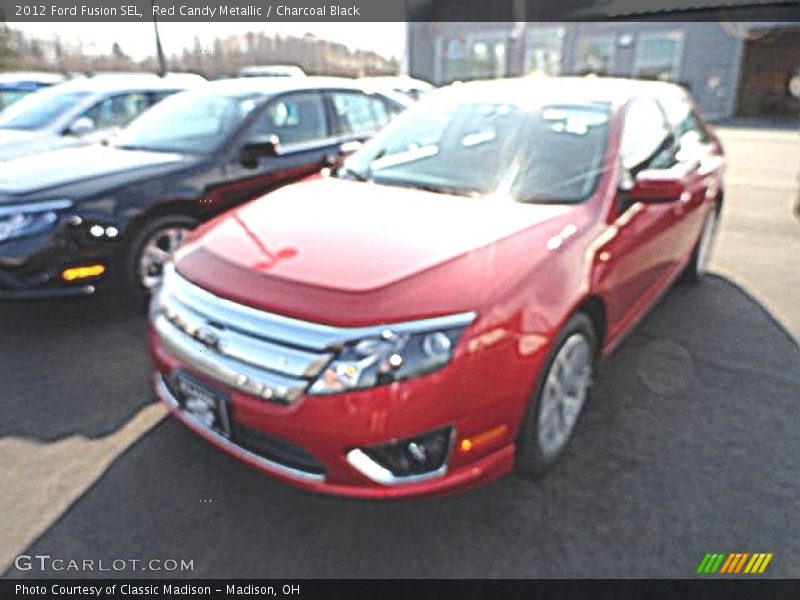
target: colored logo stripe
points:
(734, 562)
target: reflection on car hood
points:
(377, 248)
(44, 171)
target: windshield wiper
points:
(357, 175)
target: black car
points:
(73, 219)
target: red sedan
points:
(428, 317)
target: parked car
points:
(14, 86)
(272, 71)
(401, 84)
(71, 218)
(80, 112)
(429, 317)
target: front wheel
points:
(151, 248)
(559, 397)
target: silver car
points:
(81, 111)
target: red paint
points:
(350, 254)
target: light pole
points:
(162, 67)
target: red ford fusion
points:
(428, 316)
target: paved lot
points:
(690, 444)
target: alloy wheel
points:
(564, 394)
(156, 252)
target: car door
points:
(699, 158)
(642, 256)
(301, 125)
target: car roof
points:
(30, 77)
(270, 86)
(100, 84)
(612, 90)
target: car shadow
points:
(688, 446)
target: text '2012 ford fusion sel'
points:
(428, 317)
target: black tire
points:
(694, 271)
(531, 459)
(132, 283)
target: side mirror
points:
(82, 126)
(656, 186)
(255, 149)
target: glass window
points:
(118, 110)
(489, 146)
(543, 50)
(295, 119)
(358, 113)
(657, 55)
(479, 58)
(646, 136)
(39, 110)
(191, 122)
(595, 55)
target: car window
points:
(503, 149)
(41, 109)
(358, 113)
(692, 137)
(118, 110)
(196, 122)
(295, 119)
(646, 137)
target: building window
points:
(595, 55)
(543, 50)
(474, 58)
(658, 55)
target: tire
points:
(698, 264)
(163, 234)
(537, 447)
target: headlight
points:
(24, 220)
(397, 353)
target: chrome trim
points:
(247, 348)
(379, 474)
(237, 375)
(267, 355)
(295, 332)
(166, 396)
(362, 463)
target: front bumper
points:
(32, 267)
(331, 427)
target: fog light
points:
(409, 459)
(76, 273)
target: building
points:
(732, 68)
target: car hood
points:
(15, 143)
(352, 253)
(59, 168)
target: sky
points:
(136, 39)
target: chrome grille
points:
(254, 351)
(265, 355)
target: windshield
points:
(40, 109)
(189, 122)
(474, 147)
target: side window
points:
(117, 111)
(690, 134)
(358, 113)
(156, 97)
(646, 137)
(295, 119)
